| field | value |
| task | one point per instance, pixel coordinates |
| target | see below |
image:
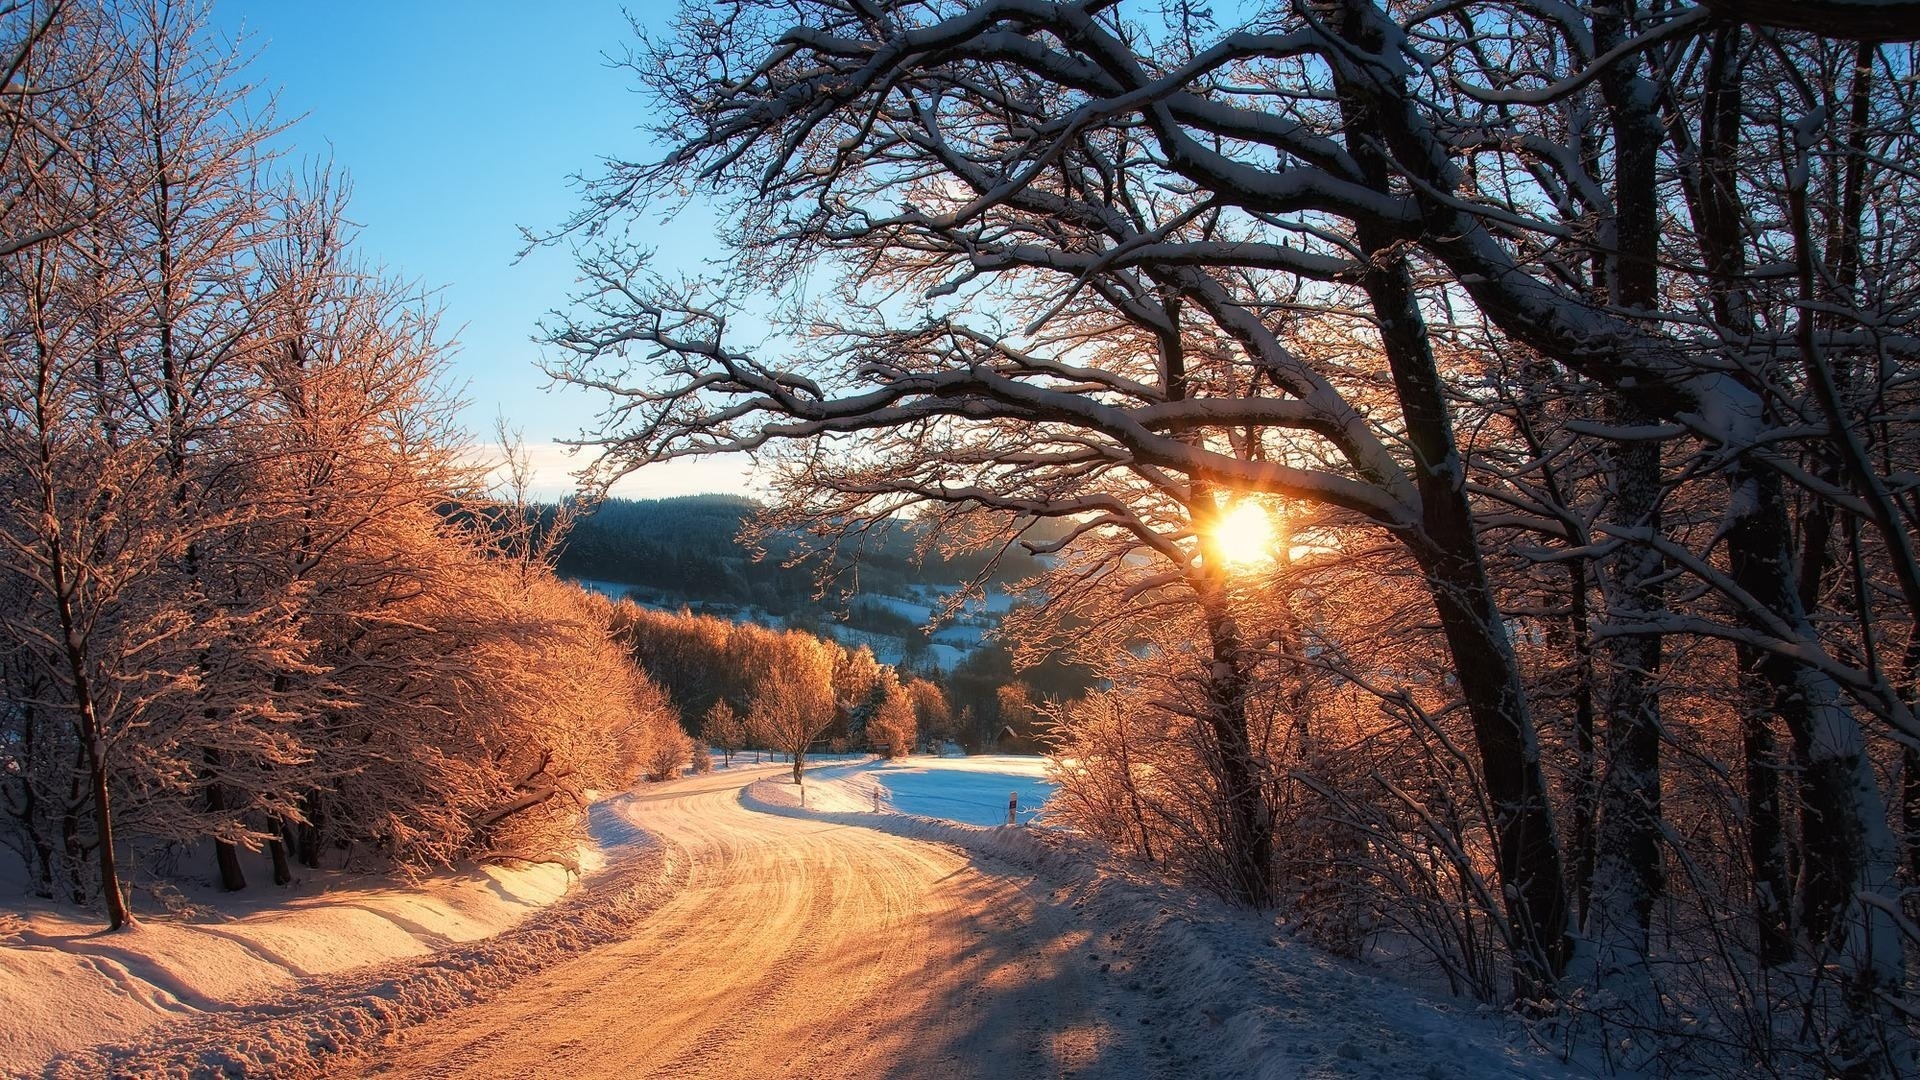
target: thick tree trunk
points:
(1586, 797)
(1848, 892)
(117, 914)
(1865, 20)
(308, 848)
(1628, 877)
(1248, 839)
(277, 851)
(1767, 851)
(1527, 845)
(1719, 223)
(1531, 871)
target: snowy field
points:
(918, 612)
(963, 790)
(971, 790)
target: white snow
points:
(971, 790)
(919, 613)
(66, 986)
(948, 657)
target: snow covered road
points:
(734, 933)
(801, 947)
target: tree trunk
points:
(1528, 854)
(1133, 788)
(1850, 854)
(1910, 811)
(1586, 796)
(70, 844)
(1628, 879)
(118, 916)
(225, 854)
(91, 737)
(277, 851)
(308, 849)
(1532, 875)
(1766, 824)
(1719, 223)
(1248, 839)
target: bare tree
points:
(988, 183)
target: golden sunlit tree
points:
(251, 597)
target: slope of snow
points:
(1271, 1008)
(66, 986)
(948, 657)
(918, 612)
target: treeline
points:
(742, 684)
(983, 705)
(234, 612)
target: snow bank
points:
(1273, 1009)
(273, 991)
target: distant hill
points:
(684, 548)
(685, 551)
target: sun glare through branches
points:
(1245, 535)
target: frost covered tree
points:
(252, 598)
(792, 700)
(890, 729)
(722, 729)
(1358, 210)
(932, 712)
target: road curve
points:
(800, 948)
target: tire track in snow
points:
(795, 947)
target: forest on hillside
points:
(704, 548)
(694, 560)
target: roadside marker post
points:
(1013, 807)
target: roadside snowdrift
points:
(273, 990)
(1276, 1009)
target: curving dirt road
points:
(805, 948)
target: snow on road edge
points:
(1258, 1006)
(302, 1031)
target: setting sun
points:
(1245, 535)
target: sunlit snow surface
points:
(971, 790)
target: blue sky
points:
(458, 123)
